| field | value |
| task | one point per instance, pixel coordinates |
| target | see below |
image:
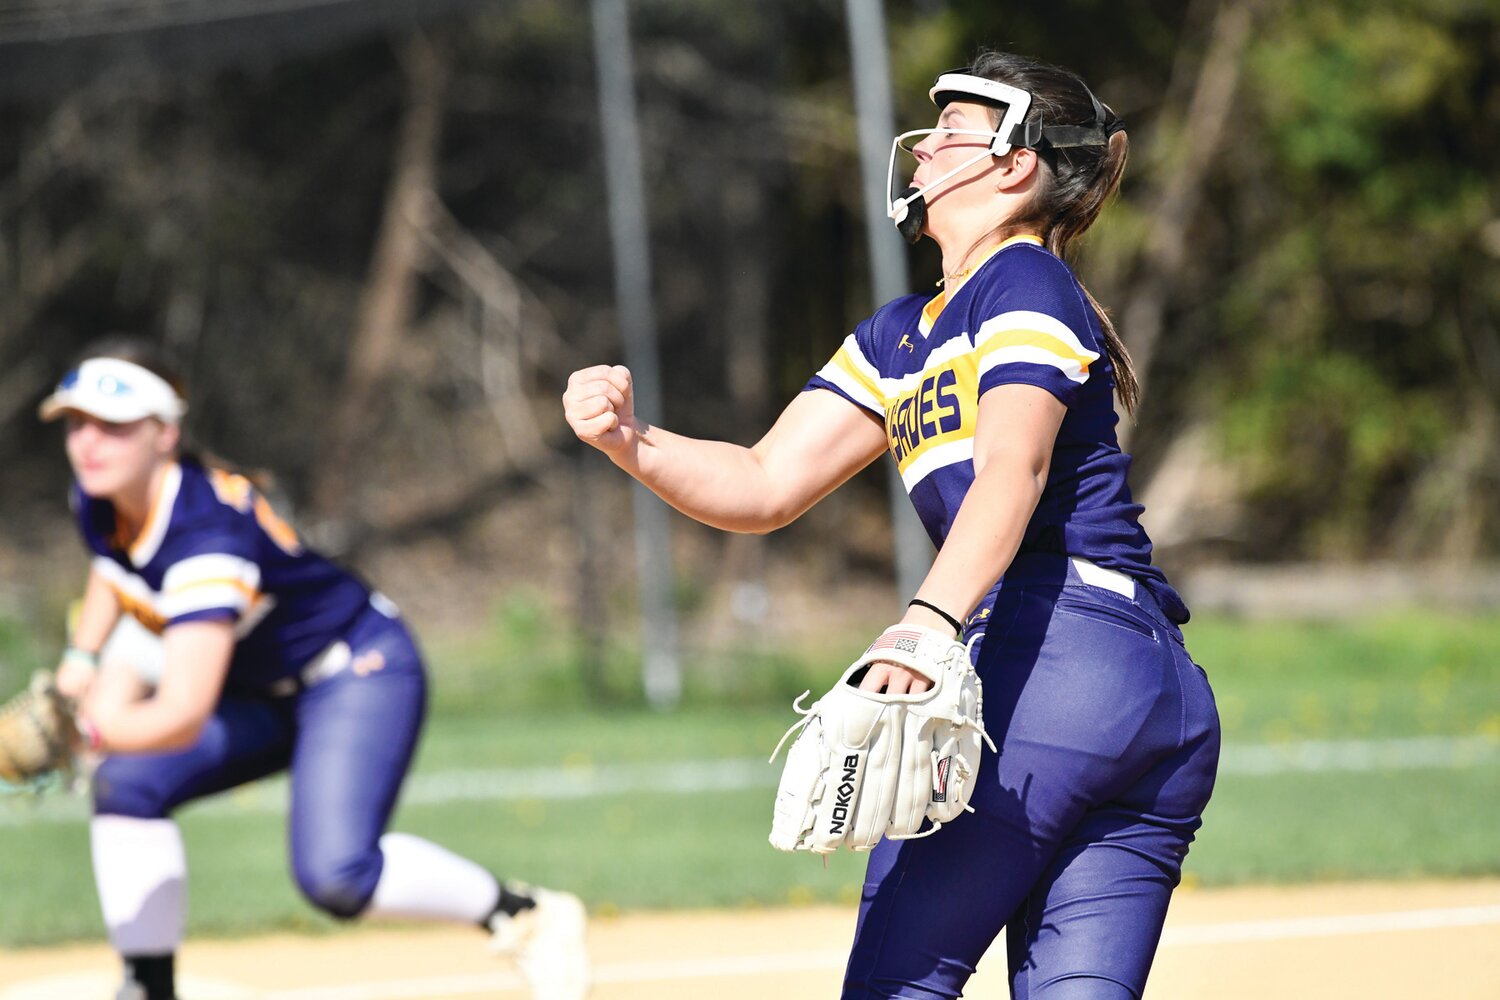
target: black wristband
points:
(918, 602)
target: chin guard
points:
(911, 215)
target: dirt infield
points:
(1324, 942)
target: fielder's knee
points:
(342, 888)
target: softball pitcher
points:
(271, 658)
(996, 399)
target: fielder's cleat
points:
(547, 941)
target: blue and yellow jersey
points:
(212, 549)
(1021, 317)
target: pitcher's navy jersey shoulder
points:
(212, 549)
(1022, 317)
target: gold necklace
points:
(956, 275)
(952, 277)
(986, 255)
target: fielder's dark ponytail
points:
(1075, 181)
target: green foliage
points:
(1352, 309)
(1338, 83)
(19, 655)
(1313, 414)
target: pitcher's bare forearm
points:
(818, 442)
(729, 486)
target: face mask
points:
(907, 206)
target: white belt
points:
(333, 660)
(1110, 579)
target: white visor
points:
(115, 391)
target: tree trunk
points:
(1203, 127)
(386, 304)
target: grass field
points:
(1427, 806)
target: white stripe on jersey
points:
(131, 585)
(1023, 319)
(942, 356)
(831, 372)
(144, 549)
(200, 583)
(205, 597)
(853, 385)
(935, 458)
(1026, 354)
(213, 568)
(1023, 328)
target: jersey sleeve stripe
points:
(1070, 368)
(229, 597)
(213, 568)
(1027, 321)
(239, 585)
(853, 375)
(1043, 341)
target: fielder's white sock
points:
(420, 879)
(140, 869)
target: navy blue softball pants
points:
(347, 740)
(1109, 743)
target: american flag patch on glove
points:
(905, 641)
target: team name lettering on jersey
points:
(925, 414)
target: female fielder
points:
(271, 657)
(996, 399)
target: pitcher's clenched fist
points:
(600, 407)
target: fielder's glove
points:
(868, 765)
(37, 733)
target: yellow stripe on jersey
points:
(250, 592)
(853, 374)
(1033, 338)
(930, 313)
(213, 580)
(140, 610)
